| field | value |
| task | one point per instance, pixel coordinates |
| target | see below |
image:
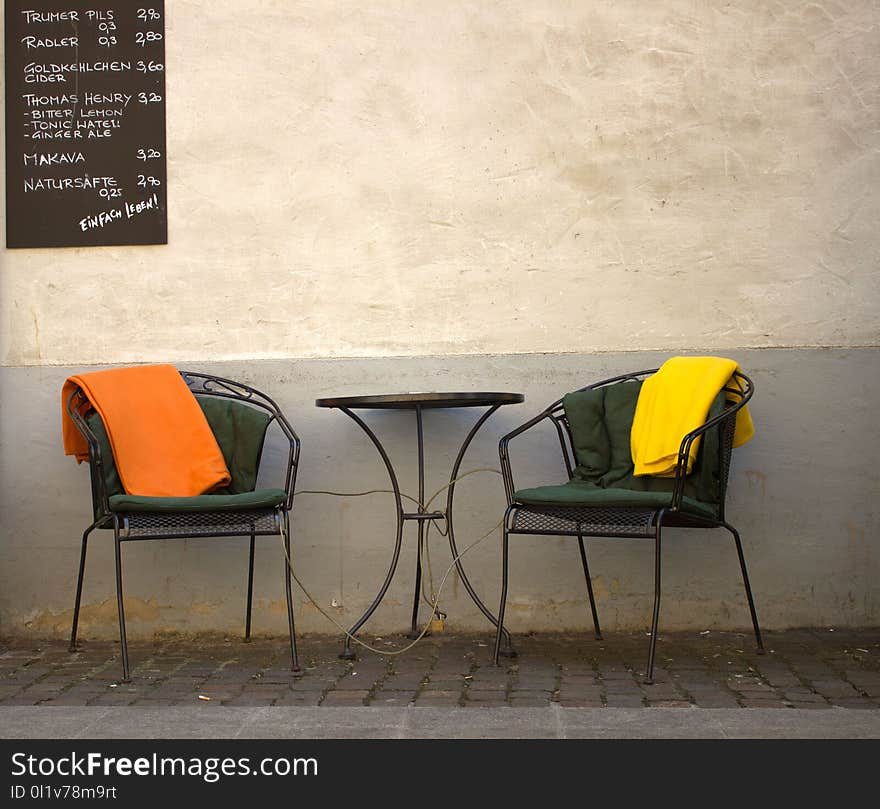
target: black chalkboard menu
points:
(85, 123)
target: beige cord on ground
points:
(434, 604)
(435, 599)
(355, 494)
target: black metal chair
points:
(239, 417)
(603, 498)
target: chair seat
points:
(260, 498)
(580, 493)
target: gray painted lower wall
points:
(803, 494)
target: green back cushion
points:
(240, 431)
(600, 421)
(111, 476)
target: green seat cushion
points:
(259, 499)
(600, 422)
(580, 493)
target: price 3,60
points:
(149, 67)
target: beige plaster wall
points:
(446, 177)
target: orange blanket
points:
(162, 443)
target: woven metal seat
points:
(151, 525)
(625, 507)
(584, 521)
(239, 417)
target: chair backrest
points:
(239, 423)
(599, 422)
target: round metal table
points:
(419, 402)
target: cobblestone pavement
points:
(814, 668)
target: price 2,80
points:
(143, 37)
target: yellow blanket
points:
(672, 403)
(161, 440)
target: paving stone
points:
(716, 701)
(18, 699)
(763, 703)
(110, 699)
(249, 701)
(834, 689)
(345, 698)
(391, 698)
(482, 685)
(354, 684)
(805, 696)
(623, 701)
(621, 688)
(445, 684)
(581, 703)
(656, 692)
(399, 682)
(856, 702)
(667, 703)
(432, 700)
(486, 699)
(306, 698)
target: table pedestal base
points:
(421, 517)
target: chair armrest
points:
(228, 388)
(293, 441)
(292, 456)
(550, 413)
(744, 392)
(100, 499)
(506, 471)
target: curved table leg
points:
(508, 650)
(347, 653)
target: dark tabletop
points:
(409, 401)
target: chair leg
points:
(250, 592)
(745, 575)
(79, 586)
(500, 627)
(289, 592)
(597, 630)
(649, 677)
(122, 638)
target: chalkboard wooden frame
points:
(85, 123)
